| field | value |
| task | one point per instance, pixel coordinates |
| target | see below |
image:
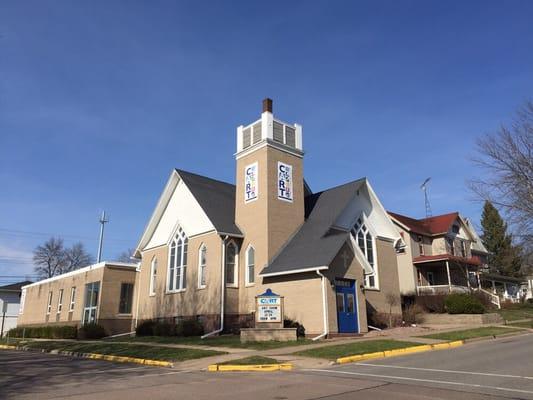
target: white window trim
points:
(49, 304)
(60, 301)
(178, 286)
(375, 268)
(72, 298)
(153, 268)
(236, 269)
(200, 269)
(247, 272)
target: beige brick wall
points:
(110, 278)
(191, 302)
(388, 279)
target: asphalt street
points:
(496, 369)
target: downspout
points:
(138, 296)
(325, 307)
(222, 290)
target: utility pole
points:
(424, 187)
(103, 221)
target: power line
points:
(15, 232)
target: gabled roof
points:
(15, 287)
(216, 198)
(317, 242)
(437, 225)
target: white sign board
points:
(284, 181)
(268, 309)
(251, 186)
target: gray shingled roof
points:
(216, 198)
(15, 287)
(317, 242)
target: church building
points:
(211, 247)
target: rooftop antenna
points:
(424, 187)
(103, 221)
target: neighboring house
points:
(444, 254)
(101, 293)
(529, 287)
(211, 247)
(10, 299)
(506, 288)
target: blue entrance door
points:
(346, 306)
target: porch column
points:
(493, 287)
(478, 280)
(449, 279)
(505, 289)
(467, 278)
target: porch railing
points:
(441, 289)
(494, 298)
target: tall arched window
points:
(202, 266)
(231, 265)
(250, 265)
(153, 276)
(365, 242)
(177, 267)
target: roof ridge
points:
(338, 186)
(180, 171)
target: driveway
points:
(495, 369)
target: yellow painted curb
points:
(123, 359)
(400, 352)
(7, 347)
(249, 368)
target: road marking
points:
(446, 371)
(424, 380)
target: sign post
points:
(269, 310)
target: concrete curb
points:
(95, 356)
(400, 352)
(249, 368)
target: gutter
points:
(222, 291)
(138, 296)
(325, 307)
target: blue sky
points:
(100, 100)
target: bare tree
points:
(52, 258)
(49, 258)
(125, 256)
(76, 257)
(507, 159)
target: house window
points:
(92, 290)
(60, 301)
(463, 248)
(49, 304)
(72, 298)
(421, 245)
(153, 276)
(365, 242)
(431, 278)
(231, 265)
(455, 229)
(202, 266)
(177, 278)
(250, 266)
(451, 246)
(126, 298)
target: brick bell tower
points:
(270, 187)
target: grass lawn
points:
(129, 350)
(472, 333)
(233, 341)
(352, 349)
(253, 360)
(516, 312)
(526, 324)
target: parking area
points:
(496, 369)
(502, 367)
